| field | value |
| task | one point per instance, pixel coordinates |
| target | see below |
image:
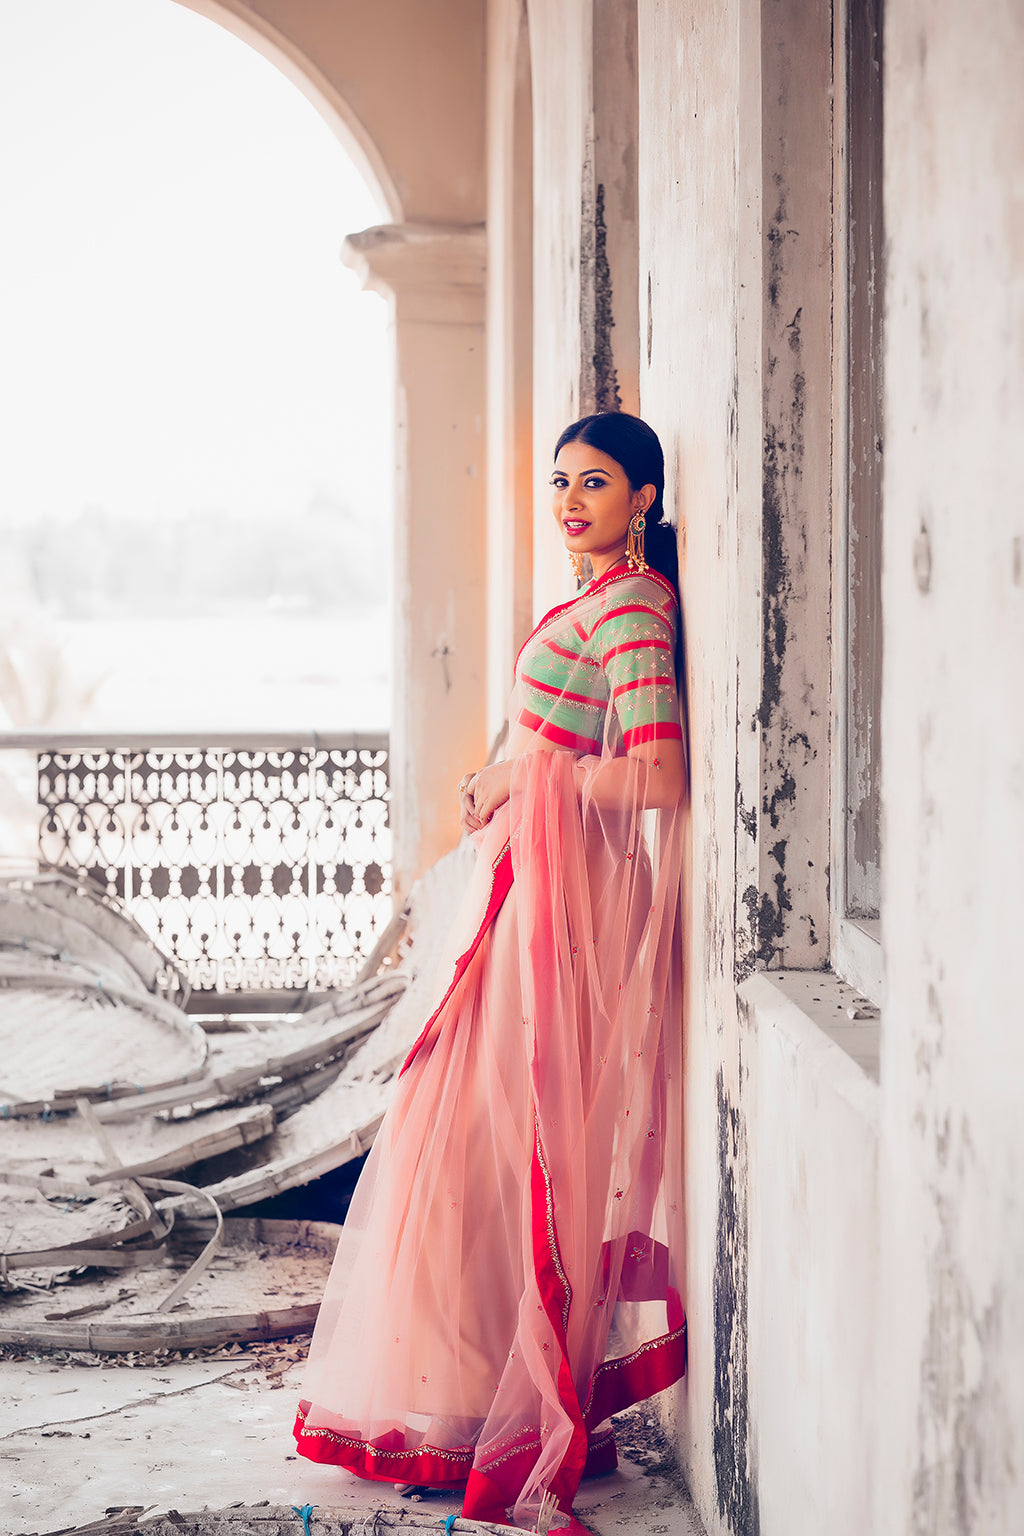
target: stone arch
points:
(288, 56)
(403, 85)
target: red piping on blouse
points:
(635, 645)
(615, 574)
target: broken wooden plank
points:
(233, 1301)
(77, 901)
(252, 1125)
(301, 1167)
(113, 1337)
(373, 1519)
(66, 1022)
(251, 1080)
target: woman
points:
(526, 1179)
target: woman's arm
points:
(653, 775)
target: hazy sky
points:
(177, 331)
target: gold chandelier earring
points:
(576, 561)
(635, 542)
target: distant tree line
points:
(320, 561)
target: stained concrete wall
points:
(728, 306)
(586, 324)
(951, 1405)
(801, 1166)
(561, 51)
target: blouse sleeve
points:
(637, 648)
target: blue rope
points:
(448, 1522)
(304, 1514)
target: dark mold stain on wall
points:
(606, 383)
(783, 449)
(775, 573)
(737, 1495)
(766, 924)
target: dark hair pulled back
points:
(635, 448)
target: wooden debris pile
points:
(273, 1520)
(127, 1129)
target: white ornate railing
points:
(259, 863)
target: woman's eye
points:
(594, 485)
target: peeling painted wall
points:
(586, 323)
(700, 377)
(740, 161)
(951, 1445)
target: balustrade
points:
(257, 864)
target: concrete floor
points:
(76, 1440)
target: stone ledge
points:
(826, 1016)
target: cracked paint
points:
(599, 383)
(737, 1493)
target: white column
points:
(433, 276)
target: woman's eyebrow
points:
(597, 471)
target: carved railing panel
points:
(255, 867)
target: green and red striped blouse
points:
(611, 645)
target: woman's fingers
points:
(480, 795)
(469, 812)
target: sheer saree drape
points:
(524, 1192)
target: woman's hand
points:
(480, 795)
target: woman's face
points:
(592, 502)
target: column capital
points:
(437, 268)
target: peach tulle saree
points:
(509, 1274)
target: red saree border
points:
(378, 1461)
(436, 1468)
(629, 1379)
(501, 884)
(494, 1485)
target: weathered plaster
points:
(794, 706)
(586, 311)
(950, 1451)
(697, 365)
(561, 48)
(609, 317)
(731, 1434)
(812, 1199)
